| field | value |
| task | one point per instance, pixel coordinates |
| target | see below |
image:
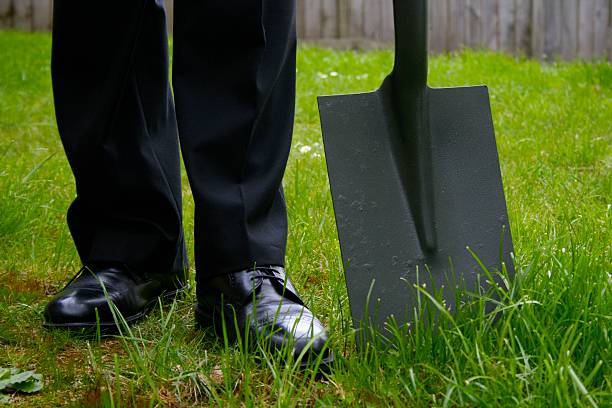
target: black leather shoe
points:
(263, 303)
(83, 303)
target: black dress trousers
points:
(234, 92)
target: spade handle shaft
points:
(409, 98)
(410, 71)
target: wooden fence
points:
(539, 28)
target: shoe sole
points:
(207, 320)
(111, 327)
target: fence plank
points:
(507, 34)
(356, 18)
(538, 21)
(602, 42)
(473, 29)
(490, 18)
(388, 26)
(170, 15)
(312, 19)
(299, 22)
(553, 25)
(586, 22)
(522, 26)
(41, 15)
(329, 18)
(457, 24)
(23, 15)
(6, 13)
(569, 28)
(343, 18)
(438, 17)
(373, 19)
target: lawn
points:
(550, 346)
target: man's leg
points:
(234, 83)
(116, 120)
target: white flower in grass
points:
(322, 75)
(333, 74)
(305, 149)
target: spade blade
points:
(369, 165)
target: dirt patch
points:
(27, 282)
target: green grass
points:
(550, 347)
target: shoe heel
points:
(212, 319)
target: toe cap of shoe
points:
(76, 308)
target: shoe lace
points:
(268, 273)
(78, 275)
(84, 269)
(282, 283)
